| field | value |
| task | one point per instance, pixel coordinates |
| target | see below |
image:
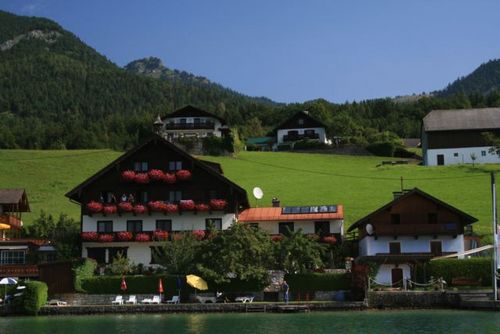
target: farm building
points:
(456, 136)
(411, 229)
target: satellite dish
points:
(369, 229)
(258, 193)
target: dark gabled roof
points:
(365, 219)
(190, 111)
(203, 165)
(14, 200)
(462, 119)
(292, 122)
(214, 165)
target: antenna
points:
(257, 193)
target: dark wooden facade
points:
(457, 138)
(300, 120)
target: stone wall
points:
(412, 299)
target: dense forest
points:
(57, 92)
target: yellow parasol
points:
(196, 282)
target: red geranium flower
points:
(142, 178)
(199, 234)
(124, 236)
(156, 174)
(329, 240)
(140, 209)
(160, 235)
(94, 207)
(128, 175)
(187, 204)
(125, 206)
(276, 237)
(171, 208)
(202, 207)
(183, 174)
(169, 178)
(109, 209)
(156, 206)
(106, 237)
(90, 236)
(142, 237)
(218, 204)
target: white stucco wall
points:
(186, 221)
(384, 274)
(463, 157)
(137, 252)
(307, 226)
(369, 246)
(283, 132)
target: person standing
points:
(286, 289)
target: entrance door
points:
(440, 159)
(397, 277)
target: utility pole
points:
(495, 250)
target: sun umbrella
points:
(196, 282)
(123, 284)
(160, 286)
(7, 281)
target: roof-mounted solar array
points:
(297, 210)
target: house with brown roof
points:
(299, 127)
(17, 254)
(412, 228)
(456, 136)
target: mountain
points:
(483, 80)
(57, 92)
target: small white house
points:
(299, 127)
(411, 229)
(452, 137)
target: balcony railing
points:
(11, 221)
(189, 126)
(417, 229)
(18, 270)
(295, 137)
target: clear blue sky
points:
(291, 51)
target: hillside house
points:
(299, 127)
(456, 136)
(411, 229)
(19, 256)
(146, 196)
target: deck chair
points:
(131, 300)
(156, 300)
(147, 301)
(118, 300)
(174, 300)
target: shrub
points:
(213, 145)
(384, 149)
(306, 144)
(33, 298)
(137, 284)
(474, 268)
(401, 152)
(83, 269)
(318, 282)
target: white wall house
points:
(299, 127)
(451, 137)
(411, 229)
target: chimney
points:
(276, 202)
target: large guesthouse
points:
(411, 229)
(148, 195)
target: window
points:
(164, 225)
(141, 196)
(98, 254)
(13, 257)
(175, 165)
(395, 219)
(141, 166)
(104, 226)
(183, 121)
(432, 218)
(483, 153)
(174, 196)
(322, 228)
(394, 248)
(285, 228)
(436, 248)
(213, 224)
(455, 154)
(197, 121)
(134, 226)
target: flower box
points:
(202, 207)
(329, 240)
(125, 206)
(183, 174)
(276, 237)
(218, 204)
(141, 178)
(124, 236)
(94, 207)
(160, 235)
(140, 209)
(106, 237)
(171, 208)
(169, 178)
(128, 175)
(156, 175)
(90, 236)
(142, 237)
(109, 209)
(187, 205)
(156, 206)
(198, 234)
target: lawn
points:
(359, 183)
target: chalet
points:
(17, 254)
(411, 229)
(456, 136)
(147, 195)
(321, 220)
(191, 122)
(299, 127)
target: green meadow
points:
(361, 184)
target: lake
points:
(428, 321)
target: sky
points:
(291, 50)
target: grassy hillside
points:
(357, 182)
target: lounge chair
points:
(131, 300)
(118, 301)
(156, 300)
(147, 301)
(56, 302)
(174, 300)
(245, 299)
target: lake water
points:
(432, 321)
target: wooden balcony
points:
(417, 229)
(296, 137)
(190, 126)
(10, 222)
(18, 270)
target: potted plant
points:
(89, 236)
(198, 234)
(94, 207)
(183, 174)
(140, 209)
(171, 208)
(218, 204)
(202, 207)
(106, 237)
(156, 174)
(141, 178)
(160, 235)
(125, 206)
(128, 175)
(142, 237)
(169, 178)
(124, 236)
(330, 239)
(187, 205)
(156, 206)
(109, 209)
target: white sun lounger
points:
(118, 300)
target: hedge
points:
(83, 269)
(318, 282)
(33, 298)
(478, 268)
(384, 149)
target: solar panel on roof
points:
(287, 210)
